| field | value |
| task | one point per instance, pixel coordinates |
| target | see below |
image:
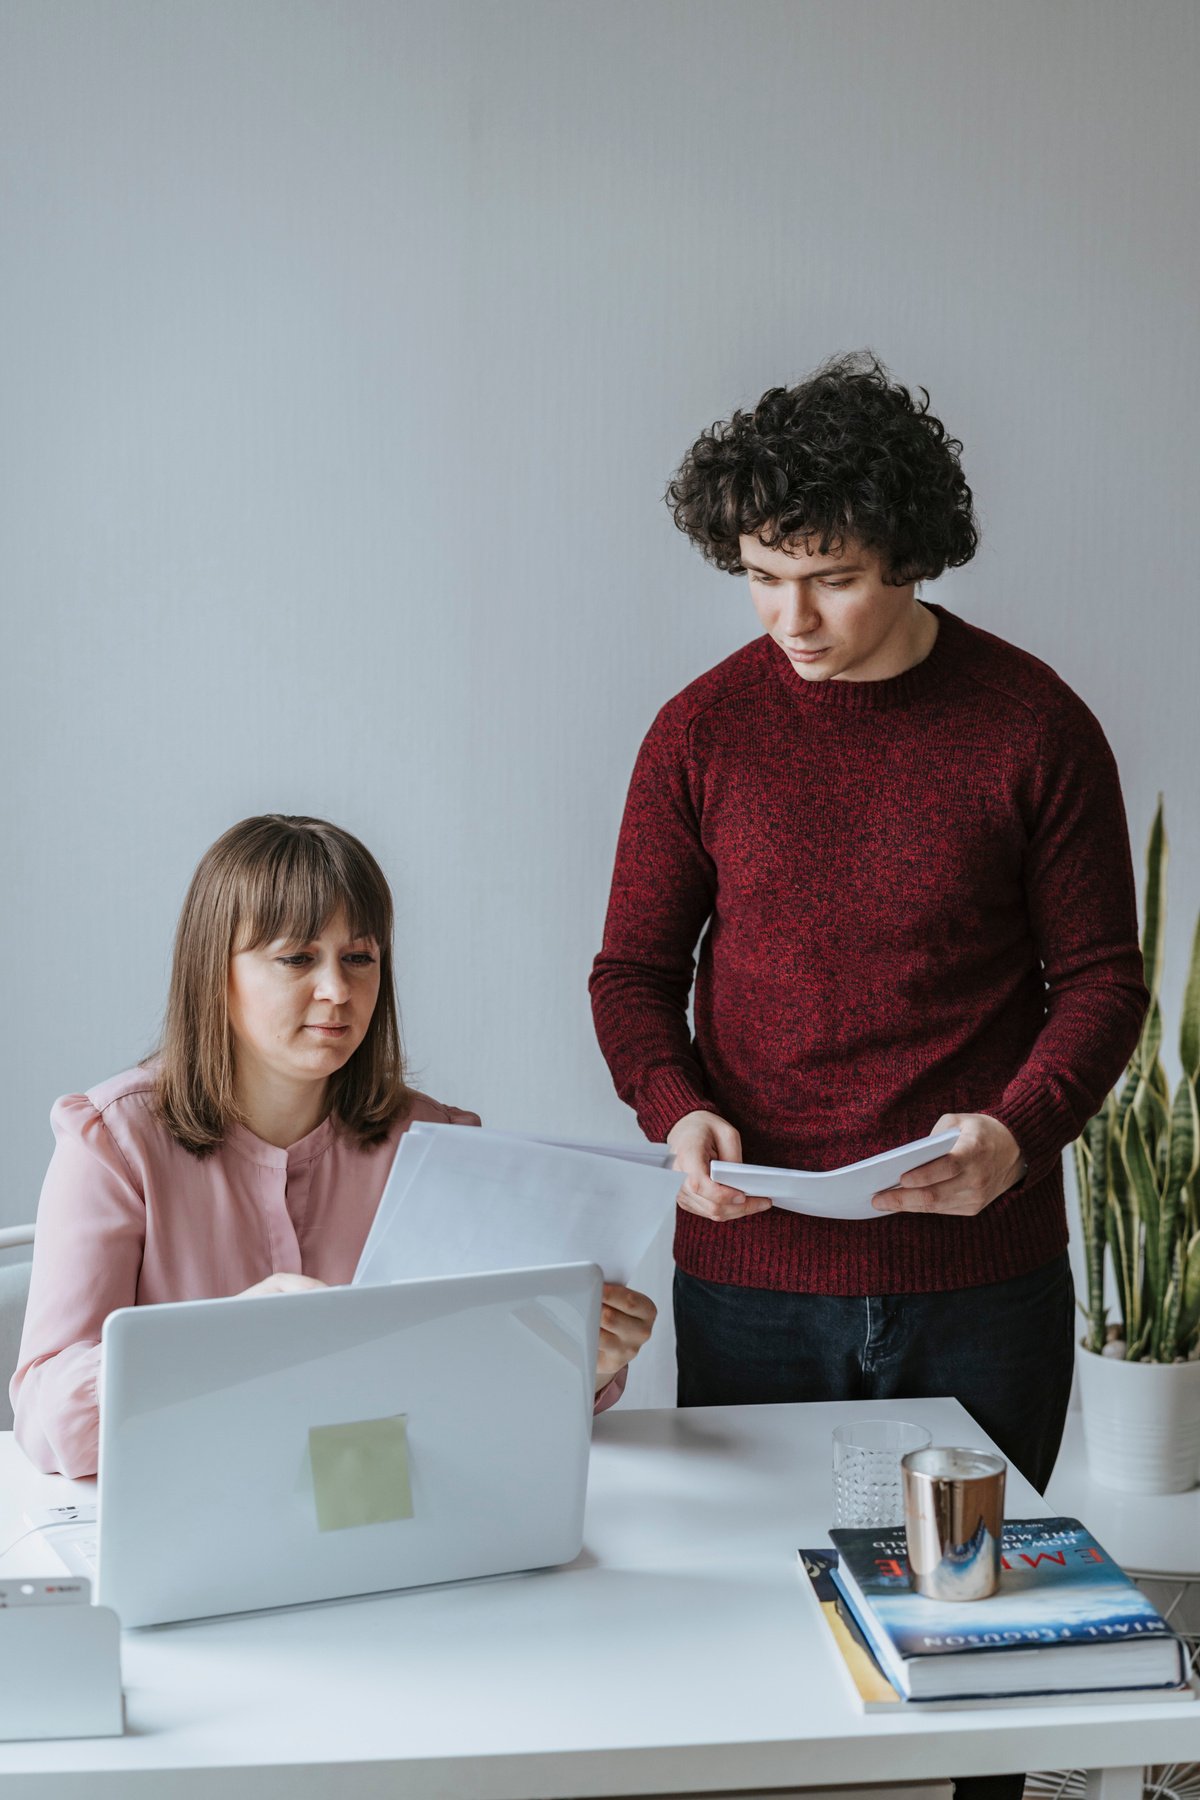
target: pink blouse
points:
(128, 1217)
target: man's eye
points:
(835, 584)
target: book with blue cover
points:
(1066, 1619)
(871, 1687)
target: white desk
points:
(675, 1656)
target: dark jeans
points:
(1006, 1351)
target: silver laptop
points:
(303, 1447)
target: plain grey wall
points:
(345, 349)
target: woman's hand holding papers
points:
(282, 1283)
(984, 1163)
(698, 1140)
(626, 1321)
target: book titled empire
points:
(1066, 1618)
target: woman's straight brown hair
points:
(270, 878)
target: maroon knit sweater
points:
(915, 897)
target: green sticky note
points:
(360, 1472)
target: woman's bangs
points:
(293, 899)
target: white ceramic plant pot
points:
(1141, 1422)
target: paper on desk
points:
(834, 1193)
(464, 1200)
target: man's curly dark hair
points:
(847, 455)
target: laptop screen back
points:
(298, 1447)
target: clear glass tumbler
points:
(868, 1487)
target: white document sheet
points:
(461, 1200)
(834, 1193)
(409, 1154)
(657, 1156)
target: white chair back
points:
(14, 1292)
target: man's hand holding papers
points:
(983, 1163)
(700, 1141)
(845, 1193)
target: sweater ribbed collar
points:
(914, 684)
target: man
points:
(901, 844)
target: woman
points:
(249, 1154)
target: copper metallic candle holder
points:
(953, 1519)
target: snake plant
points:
(1136, 1169)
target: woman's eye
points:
(362, 959)
(299, 961)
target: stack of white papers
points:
(461, 1201)
(834, 1193)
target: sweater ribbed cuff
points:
(665, 1096)
(1035, 1120)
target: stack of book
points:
(1066, 1623)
